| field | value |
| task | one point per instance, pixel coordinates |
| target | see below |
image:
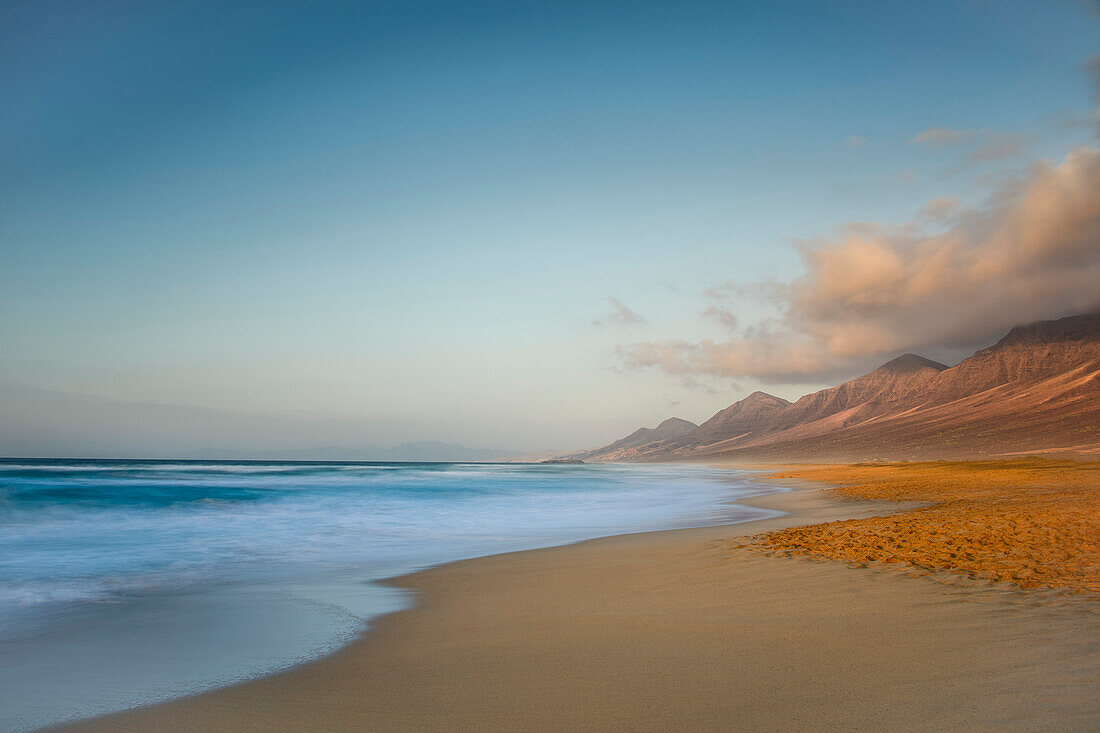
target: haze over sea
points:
(126, 582)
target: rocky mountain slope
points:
(623, 449)
(1035, 391)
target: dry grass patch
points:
(1033, 522)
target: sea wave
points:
(248, 564)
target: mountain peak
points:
(677, 423)
(759, 397)
(1072, 328)
(1037, 389)
(910, 363)
(747, 413)
(670, 428)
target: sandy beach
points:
(480, 366)
(1032, 522)
(685, 630)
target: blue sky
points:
(378, 222)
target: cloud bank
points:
(1032, 252)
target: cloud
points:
(855, 141)
(990, 144)
(722, 315)
(1066, 120)
(620, 314)
(1031, 252)
(1093, 5)
(1092, 68)
(998, 146)
(938, 210)
(940, 137)
(723, 291)
(758, 291)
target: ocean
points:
(124, 582)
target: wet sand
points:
(684, 630)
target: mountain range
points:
(1036, 391)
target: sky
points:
(518, 225)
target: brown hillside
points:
(1037, 390)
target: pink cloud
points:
(1032, 252)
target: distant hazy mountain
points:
(427, 450)
(1037, 390)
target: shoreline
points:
(676, 629)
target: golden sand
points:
(1032, 522)
(679, 631)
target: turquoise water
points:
(126, 582)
